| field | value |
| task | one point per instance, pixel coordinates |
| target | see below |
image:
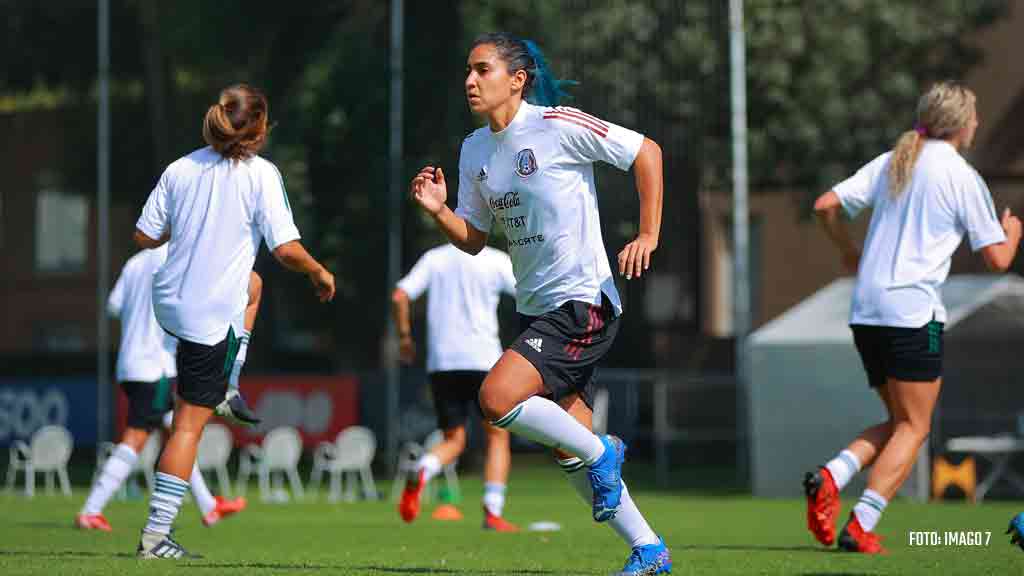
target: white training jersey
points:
(216, 210)
(146, 353)
(536, 177)
(462, 305)
(912, 237)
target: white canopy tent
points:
(809, 395)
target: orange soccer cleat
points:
(92, 522)
(223, 509)
(497, 523)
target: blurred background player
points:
(234, 405)
(462, 345)
(925, 197)
(212, 207)
(146, 372)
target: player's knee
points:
(492, 402)
(135, 438)
(456, 437)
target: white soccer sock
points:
(430, 465)
(165, 503)
(117, 467)
(545, 422)
(628, 523)
(843, 468)
(201, 492)
(236, 370)
(494, 497)
(869, 509)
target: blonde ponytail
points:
(942, 111)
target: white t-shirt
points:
(146, 353)
(912, 237)
(462, 304)
(217, 211)
(536, 177)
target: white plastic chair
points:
(409, 455)
(350, 454)
(145, 464)
(279, 452)
(214, 452)
(47, 451)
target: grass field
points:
(708, 535)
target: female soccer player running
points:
(212, 207)
(146, 372)
(531, 169)
(925, 198)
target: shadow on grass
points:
(369, 568)
(45, 524)
(835, 574)
(755, 548)
(65, 554)
(299, 566)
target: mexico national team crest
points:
(526, 162)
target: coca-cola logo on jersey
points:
(509, 200)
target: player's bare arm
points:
(635, 257)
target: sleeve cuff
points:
(988, 240)
(633, 144)
(145, 227)
(474, 220)
(282, 237)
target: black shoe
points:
(234, 408)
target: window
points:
(62, 227)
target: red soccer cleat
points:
(822, 505)
(497, 523)
(409, 505)
(854, 539)
(92, 522)
(223, 509)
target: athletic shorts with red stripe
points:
(566, 344)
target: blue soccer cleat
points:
(648, 560)
(1017, 529)
(606, 479)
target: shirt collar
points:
(516, 120)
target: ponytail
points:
(942, 111)
(236, 126)
(904, 156)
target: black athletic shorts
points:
(203, 370)
(566, 344)
(456, 392)
(908, 354)
(148, 402)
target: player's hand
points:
(1011, 225)
(429, 190)
(323, 283)
(406, 349)
(636, 256)
(1017, 530)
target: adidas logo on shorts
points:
(535, 343)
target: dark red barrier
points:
(319, 406)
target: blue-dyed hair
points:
(541, 88)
